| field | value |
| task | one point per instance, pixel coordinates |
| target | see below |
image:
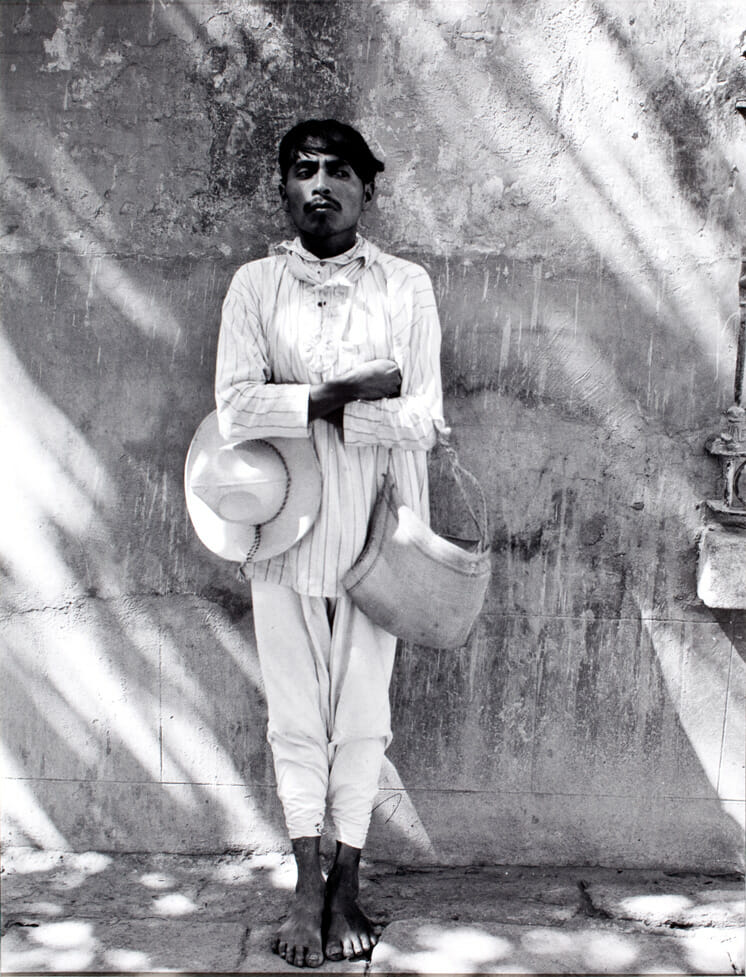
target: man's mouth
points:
(322, 205)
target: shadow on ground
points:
(216, 914)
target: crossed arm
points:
(396, 404)
(373, 380)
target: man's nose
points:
(320, 182)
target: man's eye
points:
(342, 174)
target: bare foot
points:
(348, 933)
(298, 939)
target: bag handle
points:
(459, 474)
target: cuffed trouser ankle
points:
(326, 670)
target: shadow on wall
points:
(131, 670)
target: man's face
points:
(324, 196)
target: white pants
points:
(326, 670)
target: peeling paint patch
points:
(65, 46)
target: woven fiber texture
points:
(414, 583)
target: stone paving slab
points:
(676, 901)
(98, 913)
(81, 945)
(140, 885)
(148, 946)
(433, 946)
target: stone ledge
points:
(721, 570)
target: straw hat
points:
(249, 500)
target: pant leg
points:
(361, 662)
(293, 637)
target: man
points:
(333, 340)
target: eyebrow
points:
(312, 156)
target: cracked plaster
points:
(570, 176)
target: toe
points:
(334, 951)
(314, 958)
(300, 957)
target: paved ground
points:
(97, 913)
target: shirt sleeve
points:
(249, 405)
(410, 421)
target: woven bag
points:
(422, 587)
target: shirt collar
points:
(362, 249)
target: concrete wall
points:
(570, 175)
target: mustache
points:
(320, 202)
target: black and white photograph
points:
(373, 496)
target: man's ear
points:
(283, 195)
(368, 190)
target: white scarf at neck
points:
(339, 269)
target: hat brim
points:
(238, 541)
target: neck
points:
(329, 247)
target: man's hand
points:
(373, 380)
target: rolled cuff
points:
(393, 423)
(266, 410)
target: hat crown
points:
(244, 482)
(250, 500)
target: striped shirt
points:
(293, 320)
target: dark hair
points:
(330, 136)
